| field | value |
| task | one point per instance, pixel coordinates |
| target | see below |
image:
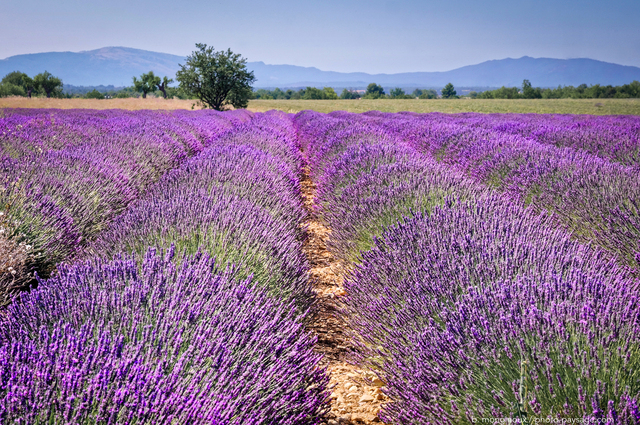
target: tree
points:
(94, 94)
(398, 93)
(313, 93)
(163, 86)
(17, 83)
(425, 94)
(528, 92)
(146, 84)
(52, 86)
(349, 94)
(374, 91)
(218, 79)
(330, 93)
(448, 92)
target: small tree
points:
(448, 92)
(330, 93)
(146, 84)
(425, 94)
(349, 94)
(163, 86)
(17, 83)
(218, 79)
(313, 93)
(52, 86)
(374, 91)
(529, 92)
(94, 94)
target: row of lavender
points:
(206, 327)
(471, 306)
(66, 174)
(615, 137)
(595, 198)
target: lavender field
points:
(155, 267)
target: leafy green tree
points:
(94, 94)
(330, 93)
(16, 78)
(425, 94)
(313, 93)
(146, 84)
(374, 91)
(218, 79)
(16, 83)
(349, 94)
(528, 92)
(162, 86)
(9, 89)
(501, 93)
(52, 86)
(449, 92)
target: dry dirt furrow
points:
(354, 400)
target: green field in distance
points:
(538, 106)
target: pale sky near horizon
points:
(374, 36)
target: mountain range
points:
(117, 65)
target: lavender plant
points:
(62, 191)
(162, 340)
(239, 201)
(481, 309)
(368, 180)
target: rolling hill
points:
(117, 65)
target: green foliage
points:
(449, 92)
(18, 78)
(349, 94)
(9, 89)
(501, 93)
(330, 93)
(147, 83)
(374, 91)
(50, 85)
(398, 93)
(218, 79)
(631, 90)
(312, 93)
(425, 94)
(94, 94)
(529, 92)
(164, 85)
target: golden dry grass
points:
(130, 103)
(541, 106)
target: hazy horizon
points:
(377, 36)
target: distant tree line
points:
(373, 91)
(18, 83)
(631, 90)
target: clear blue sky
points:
(339, 35)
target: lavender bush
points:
(156, 341)
(367, 181)
(482, 310)
(589, 196)
(239, 201)
(60, 195)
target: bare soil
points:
(355, 398)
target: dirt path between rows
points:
(353, 400)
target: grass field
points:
(540, 106)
